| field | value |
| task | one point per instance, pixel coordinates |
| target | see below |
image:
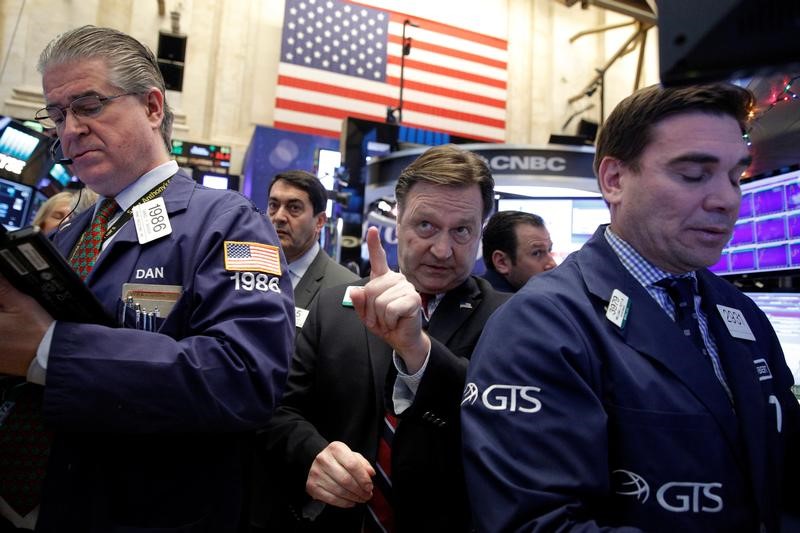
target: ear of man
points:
(321, 219)
(502, 262)
(611, 178)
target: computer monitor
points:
(17, 145)
(38, 199)
(328, 161)
(219, 181)
(783, 311)
(214, 181)
(60, 174)
(15, 201)
(766, 238)
(570, 221)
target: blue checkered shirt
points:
(647, 274)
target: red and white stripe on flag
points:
(341, 58)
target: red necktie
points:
(380, 516)
(426, 300)
(85, 254)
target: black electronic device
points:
(171, 57)
(33, 265)
(711, 40)
(171, 46)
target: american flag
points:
(341, 58)
(252, 256)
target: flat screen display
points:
(570, 221)
(783, 311)
(38, 199)
(15, 201)
(16, 147)
(767, 234)
(327, 163)
(215, 181)
(60, 174)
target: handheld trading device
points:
(33, 265)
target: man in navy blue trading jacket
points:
(630, 387)
(150, 424)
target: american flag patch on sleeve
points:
(252, 257)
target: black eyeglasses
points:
(53, 116)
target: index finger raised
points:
(377, 255)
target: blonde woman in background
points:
(60, 206)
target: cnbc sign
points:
(538, 161)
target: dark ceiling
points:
(776, 129)
(749, 36)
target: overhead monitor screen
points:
(783, 311)
(15, 200)
(60, 174)
(767, 234)
(215, 181)
(570, 221)
(16, 147)
(327, 163)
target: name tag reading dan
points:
(152, 221)
(737, 325)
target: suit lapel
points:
(454, 309)
(378, 353)
(380, 358)
(650, 332)
(311, 281)
(67, 238)
(738, 364)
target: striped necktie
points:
(681, 292)
(426, 305)
(88, 248)
(380, 508)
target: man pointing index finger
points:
(352, 368)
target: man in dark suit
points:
(296, 207)
(516, 247)
(364, 352)
(631, 389)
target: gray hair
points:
(132, 66)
